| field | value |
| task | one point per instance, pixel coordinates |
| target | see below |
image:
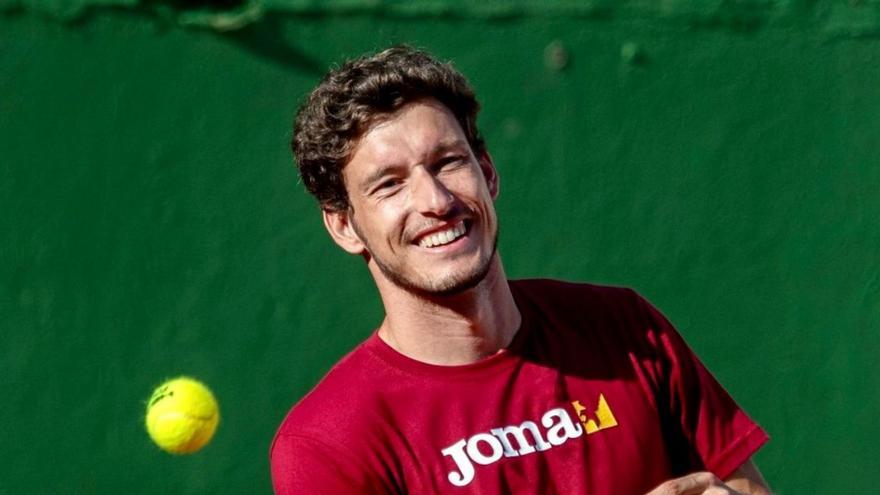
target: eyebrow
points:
(381, 172)
(448, 146)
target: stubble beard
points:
(448, 285)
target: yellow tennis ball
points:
(182, 415)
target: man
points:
(473, 383)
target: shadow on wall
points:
(266, 39)
(242, 22)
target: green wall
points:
(722, 158)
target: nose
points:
(429, 194)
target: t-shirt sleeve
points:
(304, 466)
(705, 428)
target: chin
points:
(447, 284)
(441, 285)
(456, 285)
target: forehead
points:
(411, 133)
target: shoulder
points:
(576, 297)
(553, 287)
(354, 381)
(318, 440)
(582, 315)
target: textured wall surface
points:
(723, 158)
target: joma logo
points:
(526, 438)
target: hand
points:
(703, 483)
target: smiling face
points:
(421, 203)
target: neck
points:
(451, 330)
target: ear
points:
(490, 173)
(339, 226)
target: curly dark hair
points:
(364, 91)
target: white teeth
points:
(444, 237)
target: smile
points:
(444, 236)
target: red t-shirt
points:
(597, 394)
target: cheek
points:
(468, 187)
(390, 223)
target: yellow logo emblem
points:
(603, 417)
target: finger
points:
(719, 490)
(692, 484)
(695, 483)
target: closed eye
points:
(386, 185)
(448, 162)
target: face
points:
(421, 203)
